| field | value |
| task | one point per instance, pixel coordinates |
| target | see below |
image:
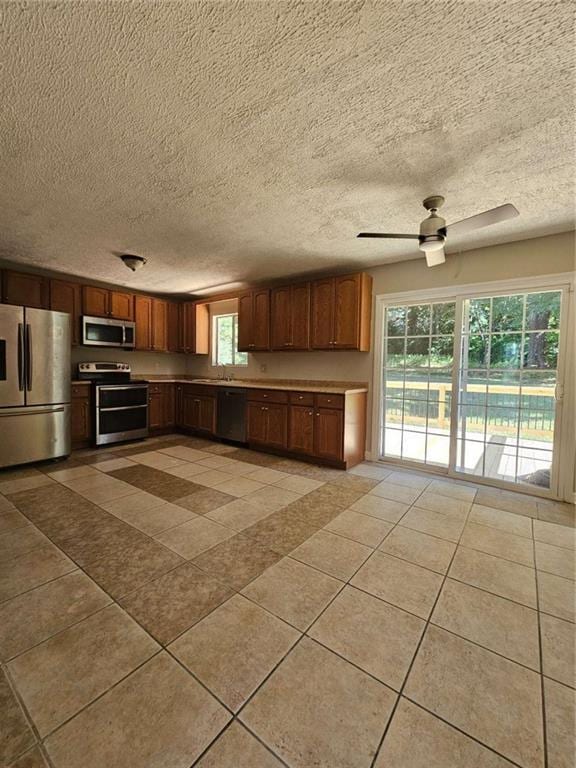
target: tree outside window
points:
(225, 346)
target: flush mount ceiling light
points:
(133, 262)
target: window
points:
(225, 341)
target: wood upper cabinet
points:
(67, 297)
(25, 290)
(101, 302)
(175, 327)
(159, 325)
(143, 317)
(322, 314)
(151, 324)
(290, 317)
(254, 321)
(328, 433)
(341, 312)
(121, 305)
(195, 325)
(95, 301)
(301, 429)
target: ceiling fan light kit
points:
(433, 230)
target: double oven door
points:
(121, 412)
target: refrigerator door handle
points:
(20, 357)
(28, 357)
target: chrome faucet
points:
(222, 374)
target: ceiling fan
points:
(433, 230)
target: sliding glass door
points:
(470, 385)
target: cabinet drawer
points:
(330, 401)
(81, 390)
(267, 396)
(302, 398)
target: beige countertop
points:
(299, 385)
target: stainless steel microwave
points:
(104, 332)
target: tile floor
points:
(181, 602)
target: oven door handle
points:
(114, 387)
(122, 408)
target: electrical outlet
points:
(263, 368)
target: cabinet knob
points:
(310, 413)
(317, 414)
(264, 395)
(300, 397)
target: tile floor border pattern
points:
(305, 634)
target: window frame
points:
(216, 318)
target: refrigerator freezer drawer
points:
(34, 433)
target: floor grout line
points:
(344, 583)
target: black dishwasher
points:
(231, 414)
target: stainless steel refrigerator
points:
(35, 378)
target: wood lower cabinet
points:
(161, 411)
(67, 297)
(328, 427)
(329, 433)
(254, 321)
(268, 424)
(81, 421)
(25, 289)
(196, 408)
(301, 429)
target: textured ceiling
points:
(233, 141)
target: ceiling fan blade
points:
(485, 219)
(388, 235)
(433, 258)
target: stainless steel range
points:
(120, 402)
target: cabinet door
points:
(155, 410)
(179, 405)
(143, 314)
(301, 429)
(322, 316)
(300, 300)
(121, 305)
(277, 425)
(24, 290)
(245, 321)
(175, 327)
(80, 419)
(189, 410)
(261, 321)
(207, 414)
(328, 433)
(281, 318)
(159, 325)
(189, 327)
(257, 422)
(95, 301)
(67, 297)
(169, 404)
(346, 311)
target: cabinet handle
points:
(264, 396)
(300, 397)
(317, 414)
(310, 413)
